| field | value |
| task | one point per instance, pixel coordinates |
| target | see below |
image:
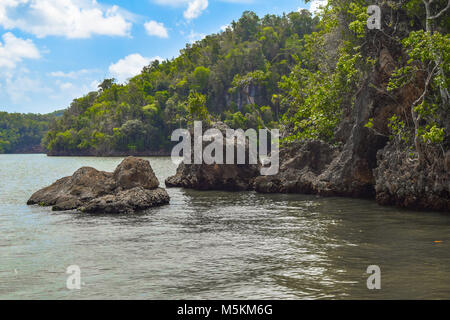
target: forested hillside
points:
(23, 132)
(232, 76)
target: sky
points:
(52, 51)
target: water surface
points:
(214, 245)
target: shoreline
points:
(113, 154)
(317, 195)
(88, 155)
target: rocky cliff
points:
(364, 160)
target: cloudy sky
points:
(52, 51)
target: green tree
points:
(196, 106)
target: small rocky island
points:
(226, 177)
(132, 187)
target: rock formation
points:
(325, 169)
(230, 177)
(131, 187)
(368, 164)
(301, 164)
(402, 182)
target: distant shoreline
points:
(109, 154)
(112, 155)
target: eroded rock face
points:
(230, 177)
(301, 164)
(402, 182)
(317, 168)
(133, 186)
(351, 172)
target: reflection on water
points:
(214, 245)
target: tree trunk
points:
(443, 91)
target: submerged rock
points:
(229, 177)
(133, 186)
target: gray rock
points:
(85, 184)
(127, 201)
(428, 188)
(134, 172)
(301, 164)
(133, 186)
(230, 177)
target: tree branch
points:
(440, 13)
(427, 83)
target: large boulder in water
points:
(133, 186)
(214, 177)
(229, 177)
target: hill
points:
(234, 75)
(23, 133)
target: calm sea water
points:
(214, 245)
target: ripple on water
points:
(214, 245)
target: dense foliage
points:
(232, 76)
(340, 55)
(328, 74)
(23, 132)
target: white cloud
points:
(195, 9)
(129, 66)
(64, 91)
(23, 90)
(19, 88)
(66, 86)
(195, 36)
(155, 28)
(316, 4)
(69, 18)
(13, 50)
(71, 74)
(173, 3)
(94, 85)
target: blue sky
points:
(52, 51)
